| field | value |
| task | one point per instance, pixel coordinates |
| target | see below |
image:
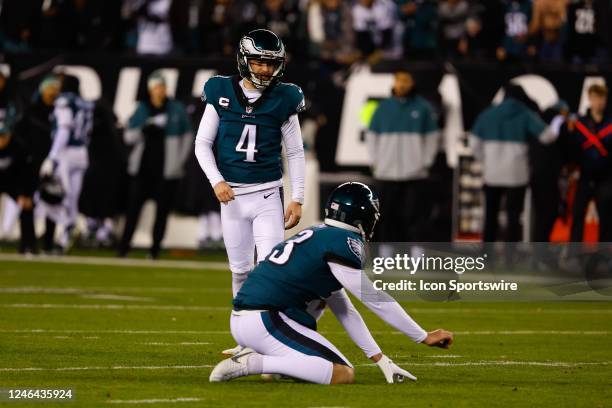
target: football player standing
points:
(238, 145)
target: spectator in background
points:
(453, 16)
(221, 23)
(515, 42)
(420, 19)
(330, 30)
(586, 27)
(17, 180)
(8, 112)
(373, 23)
(161, 138)
(403, 140)
(34, 131)
(499, 140)
(19, 24)
(485, 29)
(154, 32)
(545, 163)
(92, 24)
(546, 25)
(589, 140)
(55, 27)
(281, 17)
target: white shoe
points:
(232, 351)
(232, 367)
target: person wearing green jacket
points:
(161, 139)
(403, 139)
(499, 140)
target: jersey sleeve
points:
(535, 125)
(139, 117)
(63, 113)
(210, 91)
(296, 102)
(346, 250)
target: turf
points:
(166, 328)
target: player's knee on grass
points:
(343, 374)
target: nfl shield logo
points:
(249, 109)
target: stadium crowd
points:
(337, 31)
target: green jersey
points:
(296, 272)
(248, 143)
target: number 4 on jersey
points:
(247, 142)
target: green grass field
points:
(150, 335)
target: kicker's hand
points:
(293, 214)
(439, 338)
(224, 192)
(392, 372)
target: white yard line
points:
(155, 401)
(380, 332)
(92, 260)
(176, 367)
(462, 310)
(221, 308)
(36, 290)
(529, 332)
(114, 307)
(42, 331)
(184, 343)
(411, 363)
(397, 356)
(502, 363)
(109, 296)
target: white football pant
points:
(72, 163)
(254, 220)
(287, 347)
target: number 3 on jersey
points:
(281, 256)
(247, 142)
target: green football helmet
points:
(262, 45)
(355, 207)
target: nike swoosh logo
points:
(266, 196)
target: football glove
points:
(392, 372)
